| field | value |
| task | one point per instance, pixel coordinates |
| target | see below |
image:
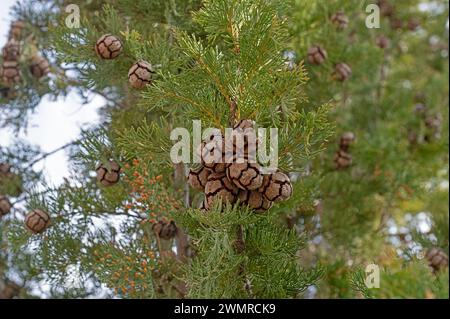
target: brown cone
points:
(108, 175)
(342, 72)
(317, 55)
(254, 200)
(276, 187)
(198, 177)
(245, 175)
(37, 221)
(39, 66)
(219, 187)
(11, 51)
(10, 72)
(342, 159)
(108, 46)
(346, 140)
(140, 74)
(437, 259)
(208, 150)
(383, 42)
(340, 20)
(15, 31)
(5, 206)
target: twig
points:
(44, 156)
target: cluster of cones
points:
(343, 158)
(240, 179)
(6, 176)
(388, 10)
(10, 70)
(36, 221)
(437, 259)
(317, 54)
(140, 74)
(432, 122)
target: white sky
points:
(54, 123)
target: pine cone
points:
(244, 143)
(254, 200)
(413, 24)
(165, 229)
(198, 177)
(108, 47)
(245, 175)
(340, 20)
(244, 124)
(386, 8)
(437, 259)
(420, 97)
(342, 72)
(383, 42)
(219, 187)
(5, 206)
(420, 108)
(317, 55)
(5, 168)
(433, 124)
(9, 290)
(140, 74)
(108, 175)
(37, 221)
(413, 138)
(342, 159)
(15, 31)
(39, 66)
(10, 72)
(212, 154)
(276, 187)
(396, 23)
(11, 51)
(346, 140)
